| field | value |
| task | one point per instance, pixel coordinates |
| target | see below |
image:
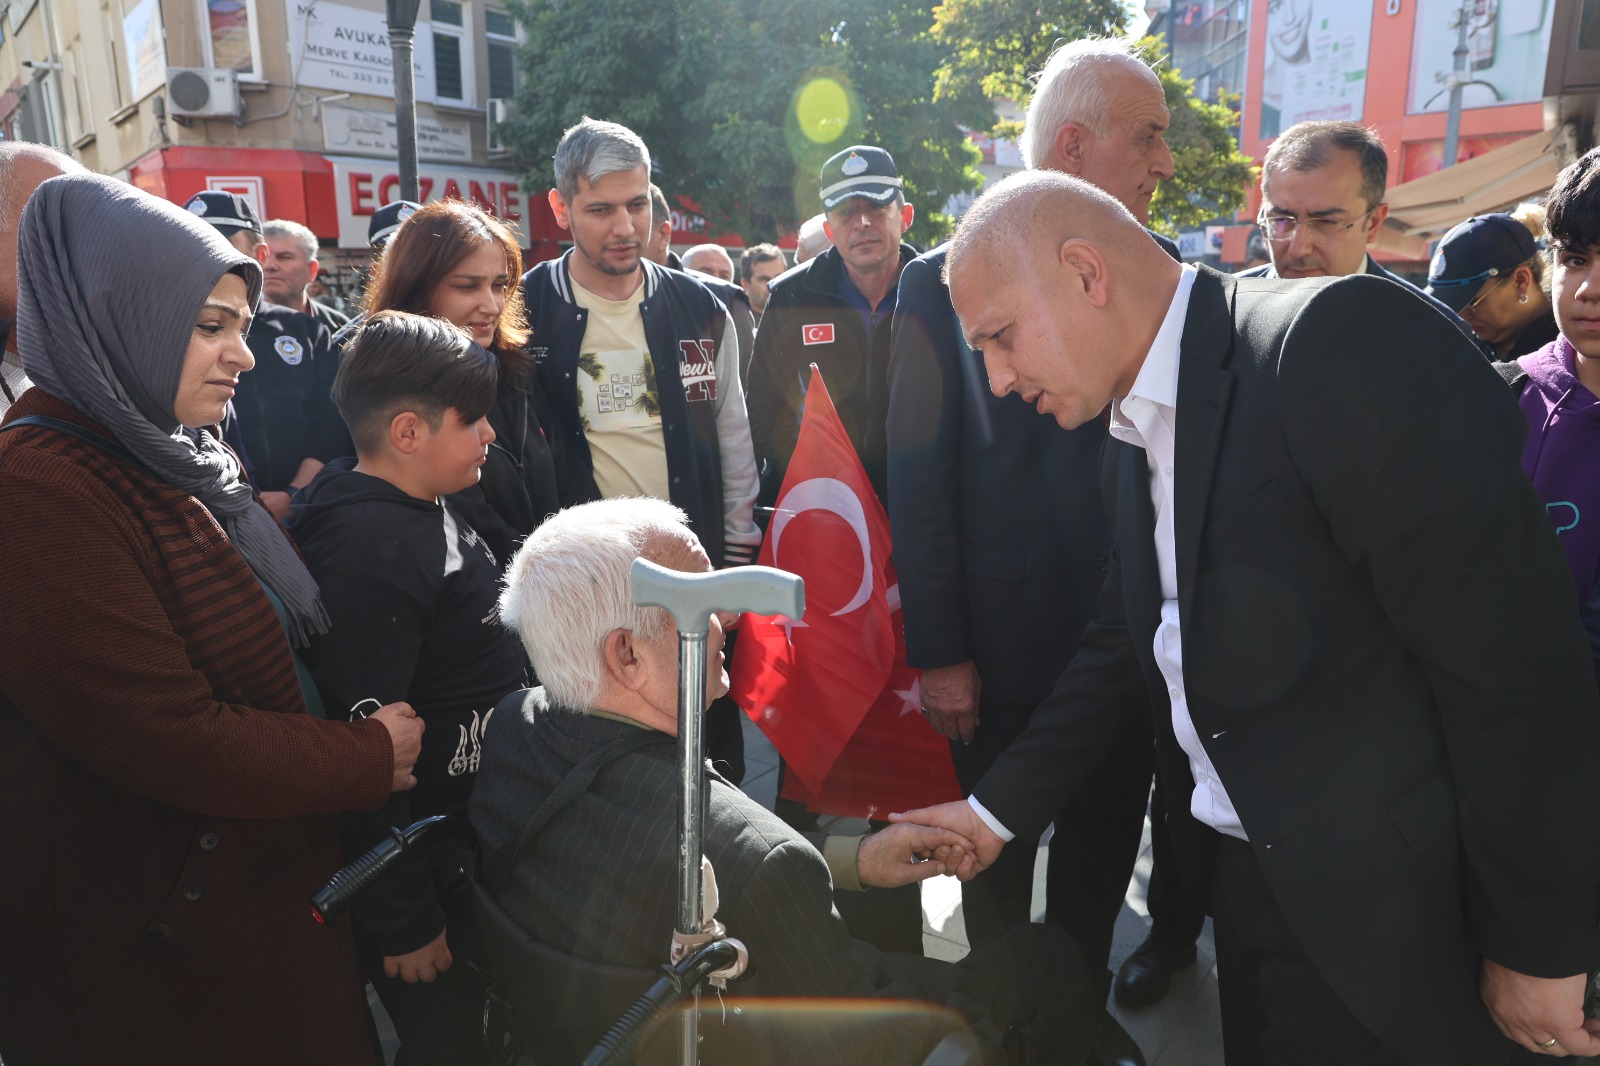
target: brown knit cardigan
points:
(165, 799)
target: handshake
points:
(947, 839)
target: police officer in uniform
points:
(285, 417)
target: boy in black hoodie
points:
(411, 592)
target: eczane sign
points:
(361, 186)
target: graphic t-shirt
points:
(617, 398)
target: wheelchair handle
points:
(340, 890)
(675, 983)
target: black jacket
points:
(1355, 662)
(1000, 542)
(806, 322)
(411, 591)
(703, 426)
(284, 406)
(1378, 270)
(528, 476)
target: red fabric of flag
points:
(895, 761)
(809, 683)
(832, 691)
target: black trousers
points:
(1174, 920)
(1276, 1008)
(439, 1023)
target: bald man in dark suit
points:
(1373, 706)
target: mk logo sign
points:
(698, 370)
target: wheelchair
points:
(546, 1008)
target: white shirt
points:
(1147, 418)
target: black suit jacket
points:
(1378, 270)
(1000, 540)
(1380, 654)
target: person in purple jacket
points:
(1559, 386)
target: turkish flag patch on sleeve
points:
(822, 333)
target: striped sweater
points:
(165, 795)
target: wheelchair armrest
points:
(957, 1049)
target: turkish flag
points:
(832, 690)
(895, 761)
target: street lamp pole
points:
(402, 16)
(1458, 78)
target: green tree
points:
(995, 47)
(1210, 175)
(741, 101)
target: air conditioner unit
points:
(499, 110)
(202, 92)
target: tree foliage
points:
(741, 101)
(1210, 175)
(716, 88)
(995, 47)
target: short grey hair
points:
(659, 211)
(711, 249)
(1071, 88)
(592, 149)
(569, 587)
(288, 227)
(1308, 146)
(812, 240)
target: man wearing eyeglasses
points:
(1322, 189)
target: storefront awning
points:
(1490, 182)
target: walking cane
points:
(691, 599)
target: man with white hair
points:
(1000, 545)
(290, 269)
(710, 259)
(812, 240)
(595, 882)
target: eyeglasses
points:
(1487, 289)
(1283, 227)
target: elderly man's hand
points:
(905, 853)
(961, 819)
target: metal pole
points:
(402, 27)
(691, 816)
(692, 598)
(1452, 129)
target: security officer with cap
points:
(834, 311)
(1490, 271)
(285, 413)
(386, 220)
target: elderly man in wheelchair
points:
(575, 809)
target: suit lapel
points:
(1204, 389)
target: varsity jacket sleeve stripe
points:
(741, 538)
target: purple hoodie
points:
(1562, 456)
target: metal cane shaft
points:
(691, 814)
